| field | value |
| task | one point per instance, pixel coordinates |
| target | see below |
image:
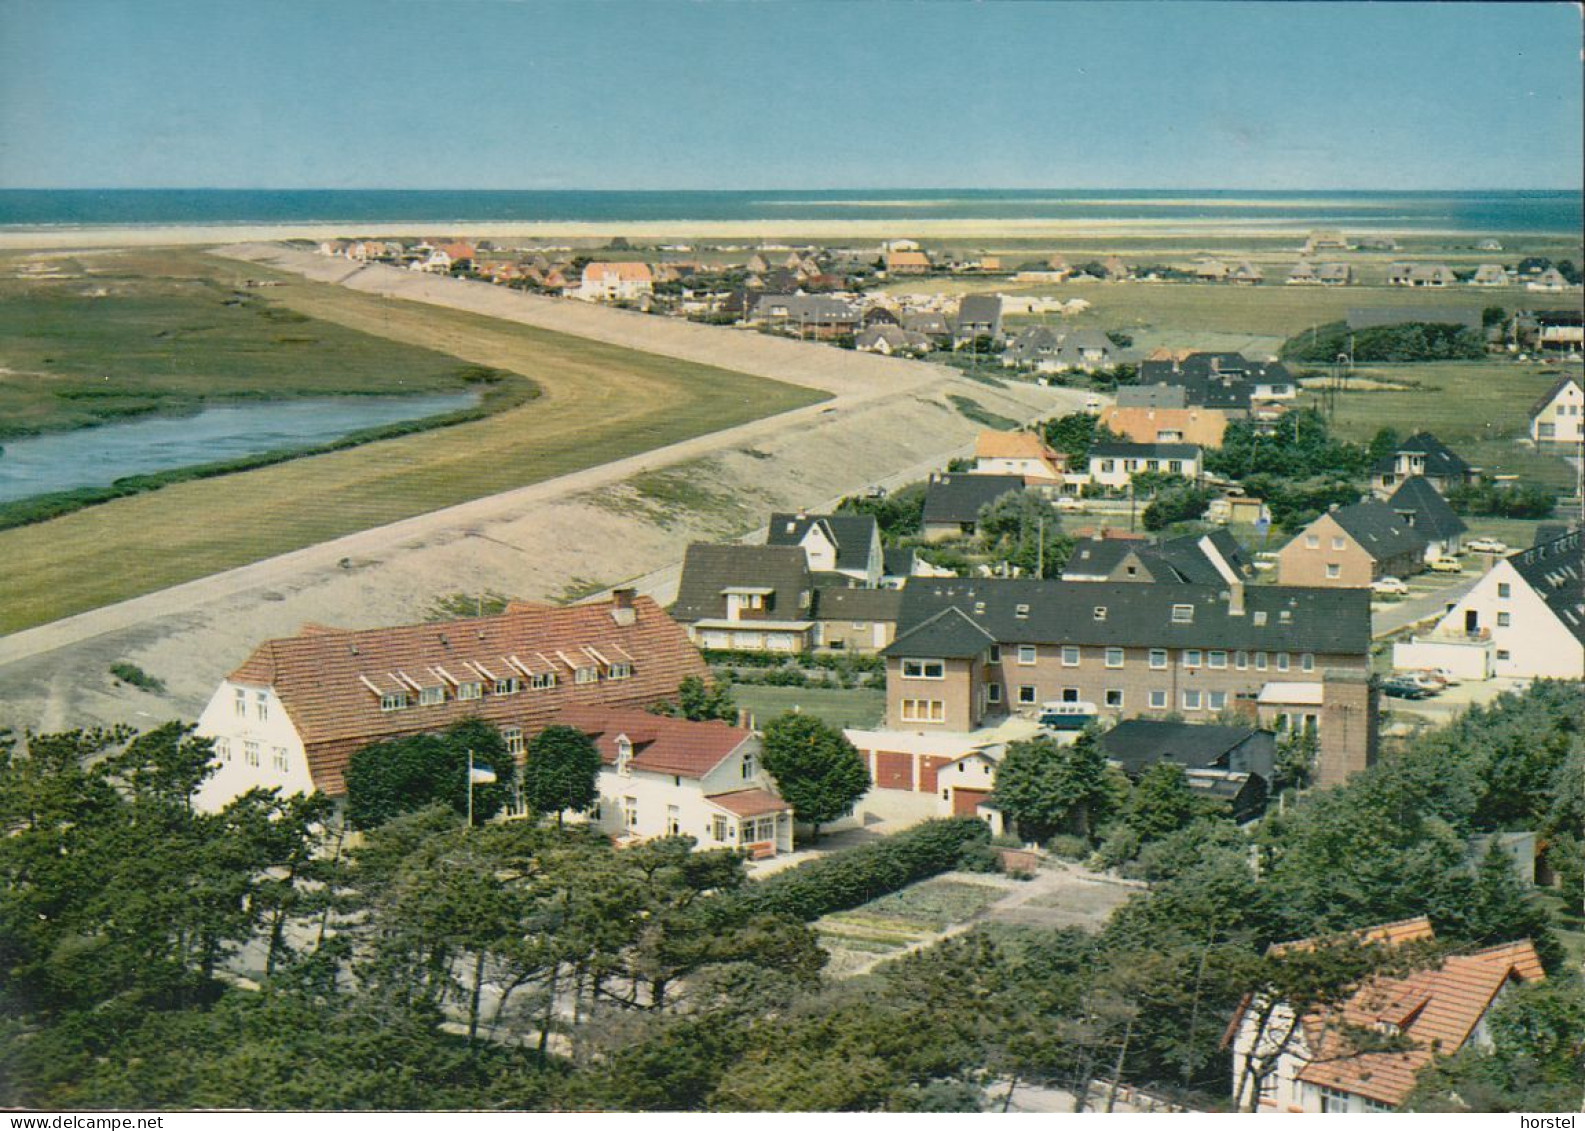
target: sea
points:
(1473, 212)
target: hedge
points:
(858, 875)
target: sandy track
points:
(551, 540)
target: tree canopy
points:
(561, 772)
(403, 775)
(1047, 788)
(816, 769)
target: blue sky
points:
(671, 94)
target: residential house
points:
(1019, 453)
(664, 777)
(918, 775)
(1329, 239)
(746, 598)
(1424, 455)
(1420, 275)
(931, 323)
(293, 714)
(969, 650)
(1159, 396)
(1320, 1062)
(1210, 271)
(1226, 381)
(1193, 559)
(1034, 347)
(891, 341)
(815, 316)
(1245, 273)
(1201, 426)
(1350, 547)
(841, 547)
(1551, 280)
(907, 263)
(1115, 464)
(953, 501)
(1489, 275)
(1424, 509)
(1226, 765)
(615, 282)
(1559, 416)
(1238, 509)
(1559, 331)
(1525, 618)
(853, 620)
(1310, 274)
(979, 316)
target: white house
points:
(671, 777)
(1018, 453)
(1287, 1063)
(1559, 416)
(1115, 465)
(615, 282)
(1529, 611)
(845, 544)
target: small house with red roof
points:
(662, 776)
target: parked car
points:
(1394, 585)
(1067, 716)
(1446, 565)
(1402, 687)
(1486, 546)
(1428, 679)
(1448, 678)
(1070, 504)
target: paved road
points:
(1412, 610)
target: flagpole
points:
(470, 788)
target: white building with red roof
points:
(615, 282)
(295, 712)
(1431, 1012)
(671, 777)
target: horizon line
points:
(806, 188)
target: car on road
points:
(1402, 687)
(1391, 585)
(1446, 565)
(1486, 546)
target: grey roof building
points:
(1137, 744)
(1380, 530)
(1555, 571)
(955, 499)
(781, 573)
(1180, 561)
(979, 316)
(855, 537)
(1422, 507)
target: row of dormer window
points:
(435, 694)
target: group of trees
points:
(1409, 341)
(1502, 500)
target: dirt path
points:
(560, 538)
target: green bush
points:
(1068, 847)
(858, 875)
(136, 676)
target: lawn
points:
(599, 403)
(843, 707)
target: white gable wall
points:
(1533, 643)
(254, 740)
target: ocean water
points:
(1466, 212)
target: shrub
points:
(137, 677)
(858, 875)
(1068, 847)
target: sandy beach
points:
(837, 231)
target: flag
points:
(480, 775)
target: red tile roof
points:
(750, 802)
(330, 681)
(622, 272)
(661, 744)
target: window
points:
(1192, 657)
(1334, 1101)
(748, 765)
(470, 690)
(1334, 570)
(261, 704)
(1158, 700)
(1026, 654)
(586, 675)
(250, 753)
(1307, 661)
(993, 693)
(430, 696)
(1241, 660)
(393, 701)
(1337, 542)
(1183, 614)
(718, 828)
(278, 758)
(509, 686)
(1070, 655)
(1070, 694)
(621, 670)
(1504, 620)
(924, 669)
(1312, 541)
(1260, 661)
(630, 812)
(1158, 658)
(1114, 657)
(995, 656)
(1285, 617)
(1218, 659)
(1216, 700)
(1191, 700)
(513, 736)
(1100, 612)
(1502, 654)
(242, 703)
(1282, 661)
(1021, 612)
(541, 682)
(673, 820)
(624, 755)
(1504, 590)
(923, 711)
(1114, 697)
(223, 749)
(1260, 618)
(1026, 694)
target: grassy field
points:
(104, 337)
(903, 918)
(843, 707)
(599, 403)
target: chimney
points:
(622, 606)
(1235, 583)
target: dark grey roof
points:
(985, 309)
(1556, 571)
(1423, 507)
(1440, 460)
(1180, 560)
(1145, 451)
(708, 569)
(1152, 396)
(1137, 744)
(947, 635)
(1200, 390)
(958, 497)
(852, 533)
(1134, 614)
(1098, 557)
(858, 604)
(813, 309)
(1550, 395)
(899, 561)
(926, 322)
(1379, 530)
